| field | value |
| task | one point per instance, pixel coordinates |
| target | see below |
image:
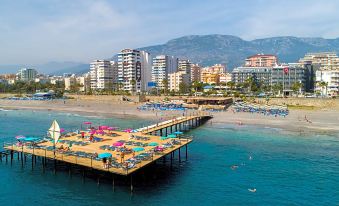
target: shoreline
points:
(322, 121)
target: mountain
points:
(57, 68)
(232, 51)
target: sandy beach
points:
(322, 120)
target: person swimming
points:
(234, 167)
(252, 190)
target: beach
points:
(306, 116)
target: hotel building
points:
(26, 74)
(134, 70)
(163, 65)
(261, 60)
(177, 78)
(103, 74)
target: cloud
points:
(37, 31)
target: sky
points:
(40, 31)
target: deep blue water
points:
(286, 169)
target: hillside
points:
(232, 50)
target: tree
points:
(133, 83)
(182, 88)
(277, 88)
(231, 85)
(165, 85)
(296, 86)
(197, 86)
(323, 84)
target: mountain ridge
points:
(232, 50)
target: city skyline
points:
(35, 32)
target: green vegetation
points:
(20, 87)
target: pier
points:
(148, 144)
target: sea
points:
(284, 168)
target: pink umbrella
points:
(92, 132)
(87, 122)
(62, 130)
(110, 128)
(118, 144)
(20, 137)
(104, 127)
(100, 131)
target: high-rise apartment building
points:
(184, 65)
(325, 60)
(26, 74)
(103, 74)
(195, 73)
(162, 66)
(134, 70)
(261, 60)
(178, 78)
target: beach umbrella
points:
(87, 122)
(153, 144)
(62, 130)
(159, 148)
(30, 139)
(163, 138)
(20, 137)
(178, 132)
(105, 155)
(103, 127)
(138, 149)
(118, 144)
(171, 136)
(100, 132)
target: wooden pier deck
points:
(150, 135)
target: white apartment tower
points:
(26, 74)
(103, 74)
(134, 70)
(163, 65)
(184, 65)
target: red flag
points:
(286, 70)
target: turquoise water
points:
(285, 169)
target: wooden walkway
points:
(163, 128)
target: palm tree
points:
(230, 85)
(296, 86)
(323, 84)
(133, 82)
(165, 85)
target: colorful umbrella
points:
(87, 122)
(62, 130)
(153, 144)
(118, 144)
(105, 155)
(163, 138)
(30, 139)
(20, 137)
(103, 127)
(138, 149)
